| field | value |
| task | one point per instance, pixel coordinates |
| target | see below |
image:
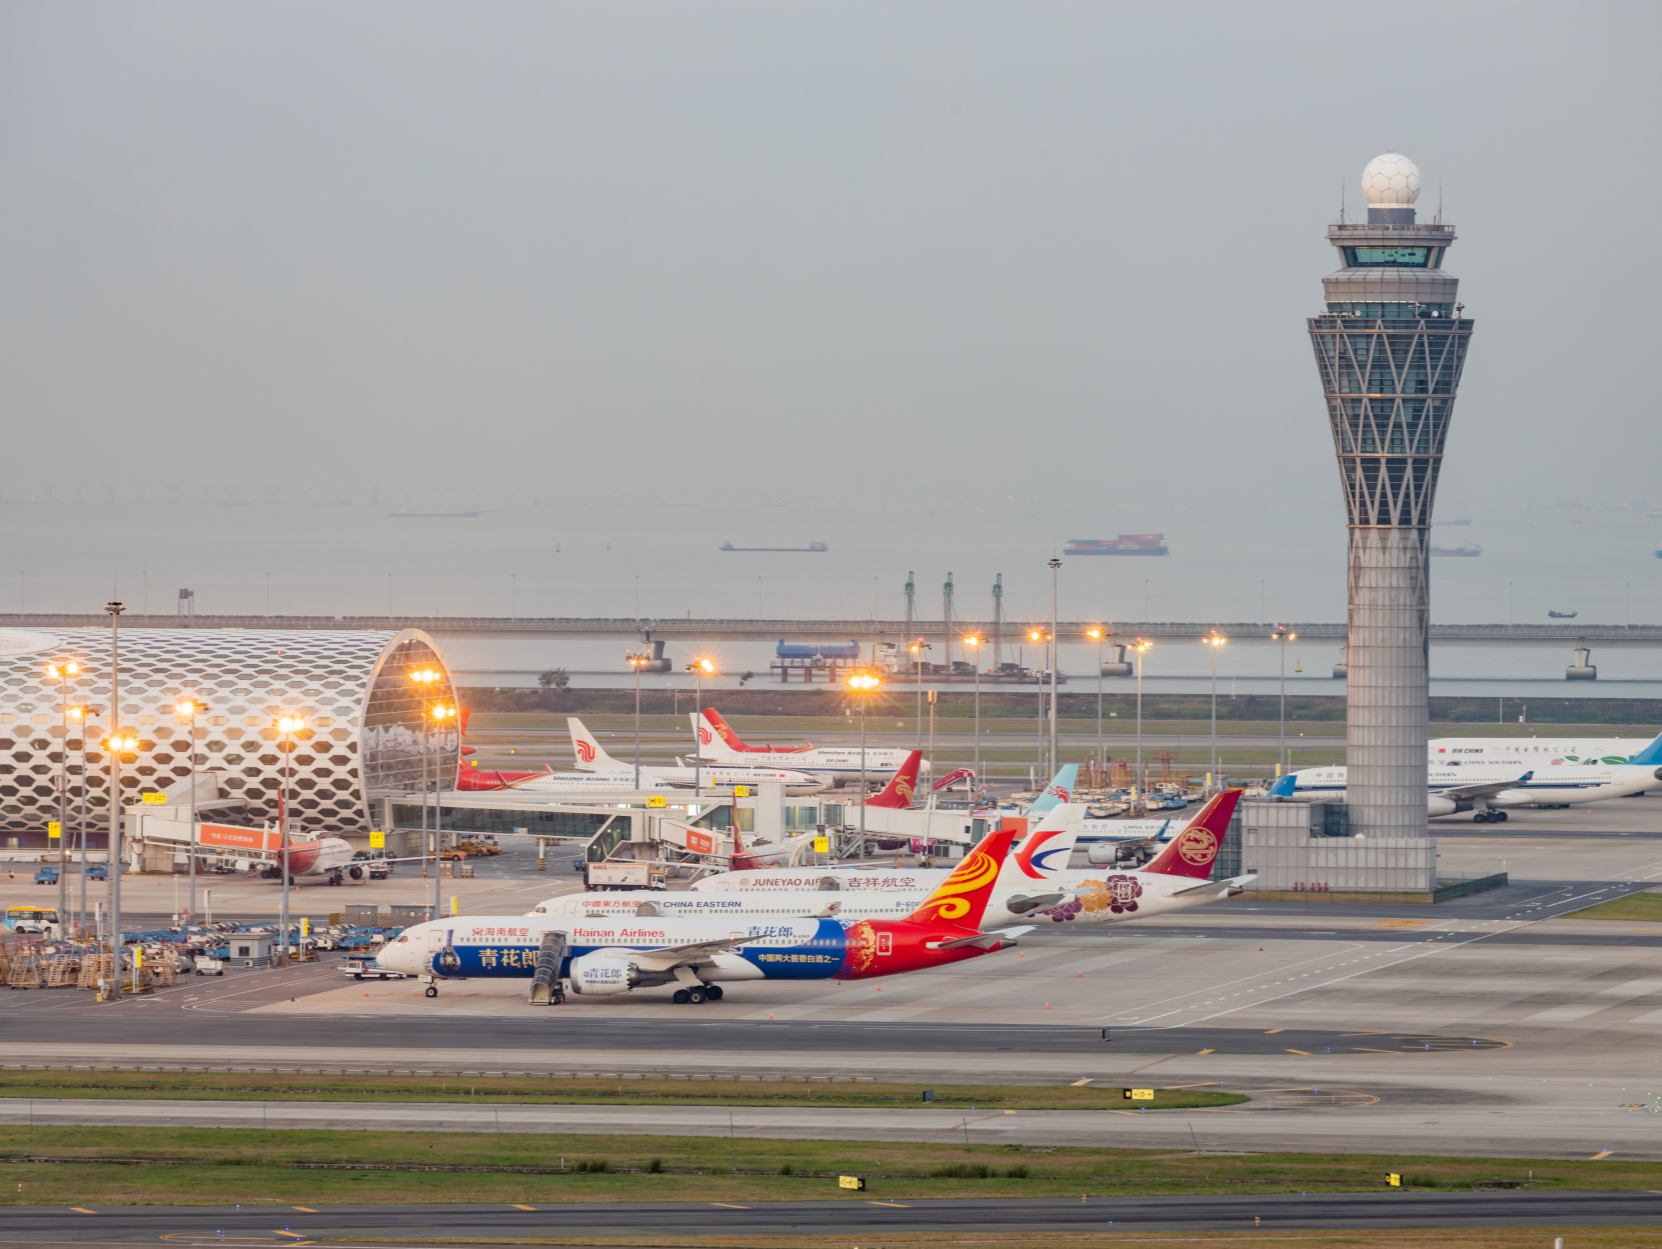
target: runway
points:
(255, 1225)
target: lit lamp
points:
(78, 714)
(1283, 634)
(862, 684)
(287, 727)
(700, 668)
(637, 662)
(440, 714)
(972, 644)
(1099, 635)
(425, 678)
(1141, 646)
(114, 746)
(1041, 639)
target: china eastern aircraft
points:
(1494, 783)
(695, 955)
(592, 757)
(1179, 876)
(839, 764)
(1026, 884)
(1577, 750)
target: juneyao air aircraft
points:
(1495, 783)
(1536, 749)
(592, 757)
(1103, 839)
(1179, 876)
(609, 956)
(1025, 885)
(840, 764)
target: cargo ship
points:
(812, 546)
(1125, 544)
(1465, 549)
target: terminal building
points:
(366, 736)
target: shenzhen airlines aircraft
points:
(475, 780)
(592, 757)
(1025, 884)
(1494, 783)
(717, 741)
(611, 956)
(1179, 876)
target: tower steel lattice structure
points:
(1390, 347)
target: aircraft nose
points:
(1657, 774)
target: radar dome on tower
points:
(1391, 181)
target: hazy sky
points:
(805, 252)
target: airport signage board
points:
(54, 830)
(224, 835)
(377, 839)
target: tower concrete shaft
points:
(1389, 348)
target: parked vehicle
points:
(369, 969)
(47, 875)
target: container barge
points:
(1125, 544)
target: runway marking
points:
(307, 1209)
(1146, 1066)
(1603, 1153)
(1272, 1031)
(728, 1205)
(82, 1210)
(517, 1206)
(899, 1204)
(1306, 1053)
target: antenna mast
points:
(946, 613)
(998, 620)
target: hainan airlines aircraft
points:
(1493, 783)
(694, 955)
(718, 742)
(1179, 876)
(592, 757)
(1025, 885)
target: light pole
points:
(1041, 639)
(1140, 646)
(700, 668)
(972, 645)
(1098, 634)
(1283, 635)
(637, 662)
(189, 707)
(863, 683)
(918, 647)
(425, 678)
(115, 745)
(61, 673)
(1214, 640)
(440, 714)
(79, 715)
(287, 727)
(1055, 663)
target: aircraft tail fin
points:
(898, 792)
(1192, 852)
(591, 755)
(1284, 786)
(1045, 851)
(1650, 756)
(716, 740)
(961, 899)
(1060, 789)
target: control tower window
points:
(1388, 257)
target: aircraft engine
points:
(602, 973)
(1441, 806)
(1100, 852)
(355, 872)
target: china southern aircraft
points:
(1179, 876)
(1026, 884)
(592, 757)
(1569, 749)
(694, 955)
(1491, 784)
(839, 764)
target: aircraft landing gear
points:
(696, 996)
(1489, 817)
(713, 992)
(681, 997)
(432, 990)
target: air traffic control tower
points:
(1389, 348)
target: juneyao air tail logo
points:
(1034, 858)
(948, 902)
(1197, 845)
(585, 751)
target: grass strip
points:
(1645, 907)
(205, 1166)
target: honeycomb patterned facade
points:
(366, 736)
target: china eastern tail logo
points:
(1035, 858)
(585, 751)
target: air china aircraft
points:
(1579, 750)
(592, 757)
(1486, 786)
(718, 742)
(1025, 885)
(1178, 877)
(610, 956)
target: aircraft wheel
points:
(1499, 817)
(696, 996)
(713, 992)
(432, 990)
(681, 998)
